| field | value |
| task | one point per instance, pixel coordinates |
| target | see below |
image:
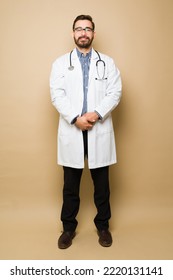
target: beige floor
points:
(143, 230)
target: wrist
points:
(99, 116)
(74, 120)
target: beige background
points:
(138, 35)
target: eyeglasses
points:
(86, 29)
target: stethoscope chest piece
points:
(71, 68)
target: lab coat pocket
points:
(100, 86)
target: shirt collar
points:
(80, 54)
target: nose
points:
(83, 30)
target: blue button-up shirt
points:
(85, 64)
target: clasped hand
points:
(86, 121)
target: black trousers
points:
(71, 199)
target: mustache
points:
(83, 37)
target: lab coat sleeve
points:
(113, 91)
(59, 97)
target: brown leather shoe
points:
(105, 238)
(65, 239)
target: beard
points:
(83, 44)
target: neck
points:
(84, 50)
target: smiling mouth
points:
(83, 38)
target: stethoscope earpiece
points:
(98, 79)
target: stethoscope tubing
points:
(71, 67)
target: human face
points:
(83, 38)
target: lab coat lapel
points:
(77, 65)
(94, 58)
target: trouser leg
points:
(100, 178)
(71, 200)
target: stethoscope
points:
(99, 68)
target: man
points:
(85, 87)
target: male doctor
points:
(85, 87)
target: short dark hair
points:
(84, 17)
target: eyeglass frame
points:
(86, 29)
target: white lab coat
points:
(67, 96)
